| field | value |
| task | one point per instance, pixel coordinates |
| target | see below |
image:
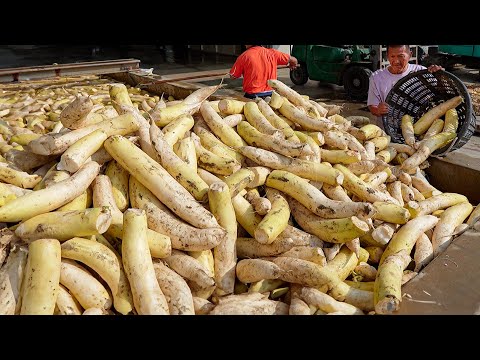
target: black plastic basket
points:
(420, 91)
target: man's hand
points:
(433, 68)
(382, 108)
(293, 63)
(379, 110)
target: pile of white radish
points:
(114, 201)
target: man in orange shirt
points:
(258, 65)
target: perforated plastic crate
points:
(420, 91)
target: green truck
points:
(449, 55)
(347, 65)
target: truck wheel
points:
(355, 82)
(299, 76)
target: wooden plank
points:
(177, 89)
(69, 69)
(194, 76)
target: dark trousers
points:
(262, 95)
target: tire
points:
(356, 81)
(299, 76)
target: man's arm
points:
(374, 101)
(237, 69)
(233, 73)
(285, 59)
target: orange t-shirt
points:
(258, 65)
